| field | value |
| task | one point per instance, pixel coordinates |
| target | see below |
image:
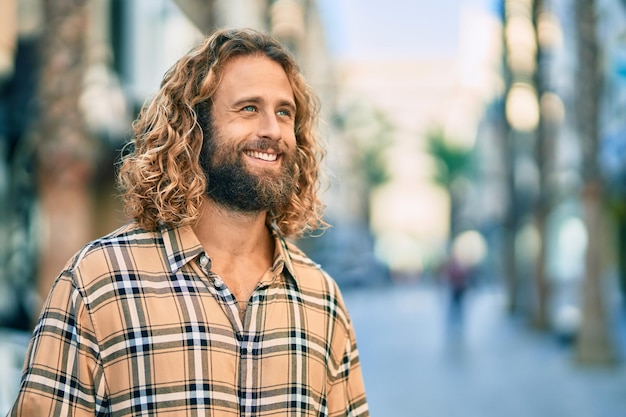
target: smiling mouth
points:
(263, 156)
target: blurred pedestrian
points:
(456, 277)
(200, 306)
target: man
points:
(200, 306)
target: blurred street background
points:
(476, 172)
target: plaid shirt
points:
(137, 324)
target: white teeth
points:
(262, 155)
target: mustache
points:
(263, 144)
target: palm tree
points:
(512, 217)
(453, 165)
(369, 133)
(543, 150)
(201, 12)
(64, 150)
(593, 344)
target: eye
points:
(249, 108)
(284, 112)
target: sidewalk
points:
(415, 364)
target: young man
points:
(200, 306)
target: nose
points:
(269, 126)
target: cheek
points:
(230, 133)
(289, 137)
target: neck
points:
(229, 235)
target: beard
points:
(231, 184)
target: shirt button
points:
(204, 261)
(218, 281)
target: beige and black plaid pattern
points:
(136, 325)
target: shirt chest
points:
(186, 338)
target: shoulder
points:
(110, 253)
(316, 284)
(307, 272)
(127, 238)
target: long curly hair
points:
(160, 176)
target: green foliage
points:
(369, 130)
(452, 161)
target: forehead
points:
(254, 73)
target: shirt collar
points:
(181, 246)
(282, 255)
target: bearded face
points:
(248, 155)
(236, 186)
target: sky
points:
(360, 29)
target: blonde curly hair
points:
(160, 177)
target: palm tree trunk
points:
(544, 138)
(202, 13)
(510, 221)
(594, 344)
(64, 150)
(621, 255)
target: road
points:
(416, 364)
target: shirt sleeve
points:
(62, 375)
(347, 394)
